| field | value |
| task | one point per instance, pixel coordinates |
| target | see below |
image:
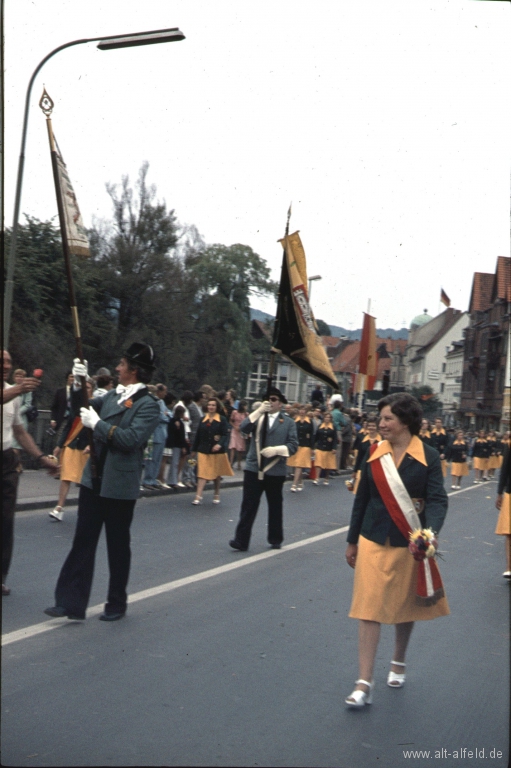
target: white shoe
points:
(454, 487)
(293, 489)
(299, 488)
(216, 499)
(315, 482)
(360, 698)
(57, 513)
(197, 500)
(507, 574)
(325, 482)
(395, 679)
(181, 485)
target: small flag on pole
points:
(368, 357)
(296, 336)
(444, 298)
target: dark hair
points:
(221, 394)
(242, 406)
(169, 398)
(406, 407)
(371, 420)
(144, 376)
(187, 397)
(178, 411)
(198, 396)
(68, 374)
(219, 406)
(103, 381)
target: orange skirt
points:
(72, 463)
(444, 467)
(325, 460)
(504, 522)
(213, 465)
(385, 586)
(459, 469)
(302, 458)
(494, 462)
(481, 464)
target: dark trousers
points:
(345, 452)
(252, 492)
(10, 479)
(75, 581)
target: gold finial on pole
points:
(46, 103)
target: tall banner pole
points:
(271, 367)
(47, 105)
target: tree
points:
(430, 403)
(226, 277)
(323, 328)
(135, 251)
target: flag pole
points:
(46, 105)
(273, 355)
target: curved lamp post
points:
(314, 277)
(104, 44)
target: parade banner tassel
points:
(296, 336)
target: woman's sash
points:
(402, 511)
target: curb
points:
(47, 502)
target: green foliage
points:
(323, 328)
(147, 279)
(430, 403)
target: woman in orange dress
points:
(385, 589)
(503, 504)
(210, 447)
(302, 458)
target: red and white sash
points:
(402, 511)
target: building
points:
(428, 342)
(294, 383)
(483, 405)
(451, 384)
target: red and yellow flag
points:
(444, 298)
(368, 357)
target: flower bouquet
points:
(423, 544)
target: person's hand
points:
(56, 451)
(52, 465)
(275, 450)
(28, 384)
(89, 417)
(351, 555)
(498, 501)
(79, 368)
(193, 454)
(53, 424)
(216, 448)
(263, 408)
(183, 451)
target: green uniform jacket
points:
(369, 516)
(125, 454)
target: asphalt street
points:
(244, 659)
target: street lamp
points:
(104, 44)
(314, 277)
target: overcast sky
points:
(387, 123)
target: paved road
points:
(244, 659)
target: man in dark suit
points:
(265, 470)
(122, 421)
(61, 406)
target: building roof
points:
(348, 359)
(421, 319)
(482, 289)
(502, 283)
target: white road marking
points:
(170, 586)
(46, 626)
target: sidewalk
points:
(37, 490)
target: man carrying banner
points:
(122, 421)
(272, 443)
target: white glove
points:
(263, 408)
(79, 369)
(275, 450)
(89, 417)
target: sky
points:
(385, 123)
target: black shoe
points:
(236, 545)
(112, 616)
(274, 546)
(57, 612)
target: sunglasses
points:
(274, 399)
